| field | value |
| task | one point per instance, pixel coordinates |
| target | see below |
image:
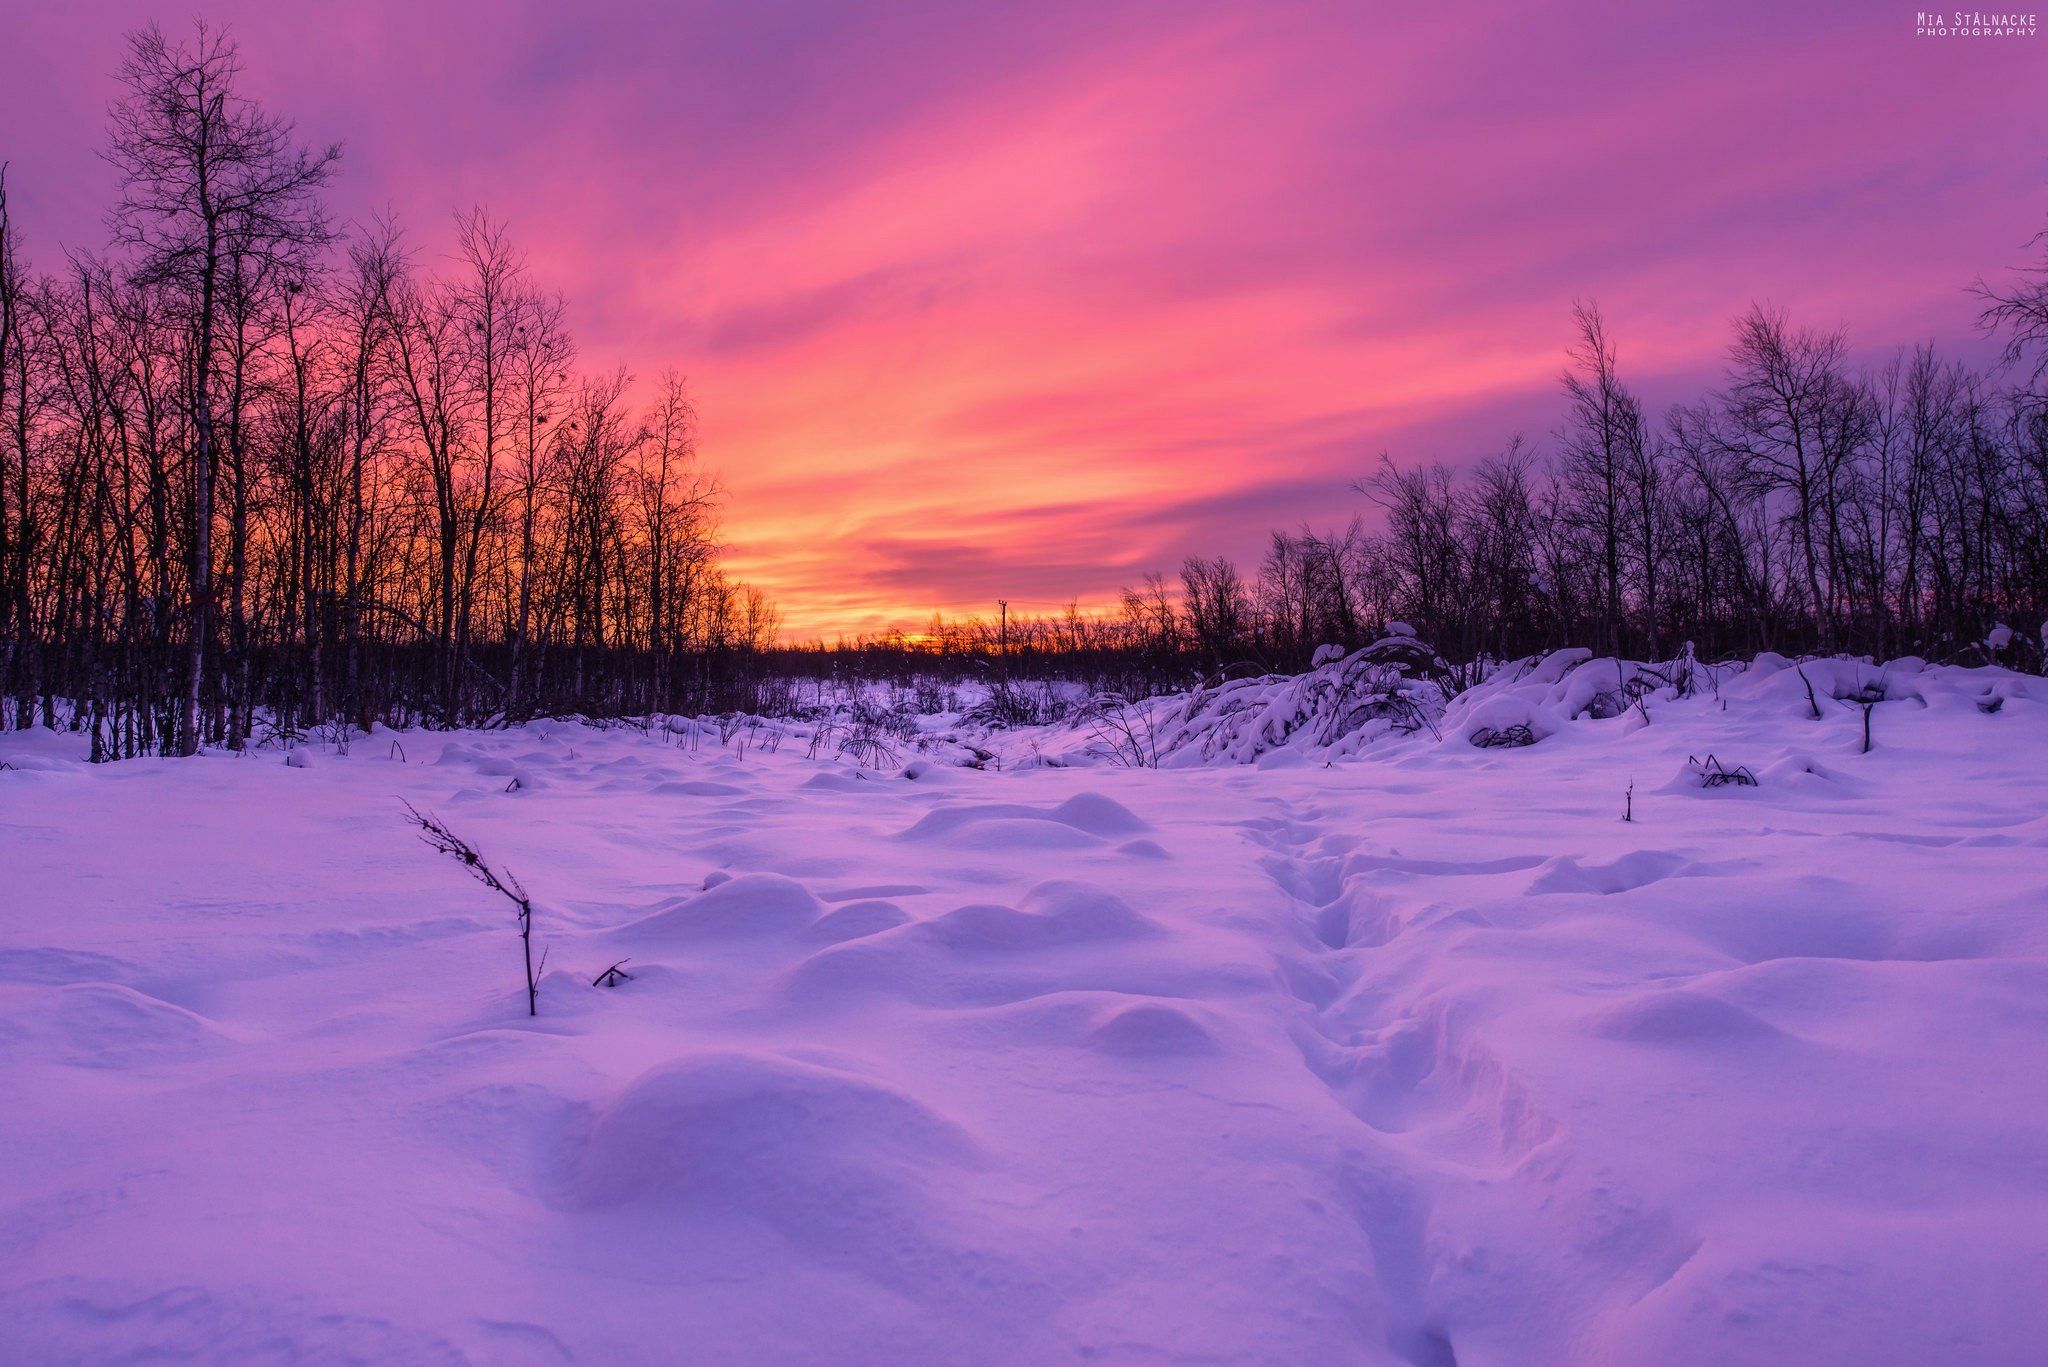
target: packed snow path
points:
(1423, 1059)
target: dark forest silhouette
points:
(264, 475)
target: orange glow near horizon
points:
(982, 302)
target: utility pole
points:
(1003, 642)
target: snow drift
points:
(1340, 1038)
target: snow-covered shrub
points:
(1337, 708)
(1124, 732)
(865, 732)
(1018, 704)
(1543, 693)
(1506, 722)
(1513, 736)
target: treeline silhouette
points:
(260, 475)
(1804, 505)
(1801, 506)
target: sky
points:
(1024, 300)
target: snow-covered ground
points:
(1424, 1056)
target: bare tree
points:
(1217, 605)
(2019, 311)
(672, 501)
(540, 363)
(212, 187)
(1785, 418)
(1604, 451)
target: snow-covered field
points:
(1424, 1056)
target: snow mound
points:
(107, 1026)
(1083, 820)
(1151, 1029)
(750, 904)
(1062, 935)
(857, 920)
(845, 1168)
(1676, 1016)
(696, 787)
(1099, 815)
(1629, 872)
(1052, 914)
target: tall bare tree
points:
(212, 188)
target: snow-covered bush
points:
(1337, 708)
(1124, 732)
(1528, 700)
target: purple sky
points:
(1024, 300)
